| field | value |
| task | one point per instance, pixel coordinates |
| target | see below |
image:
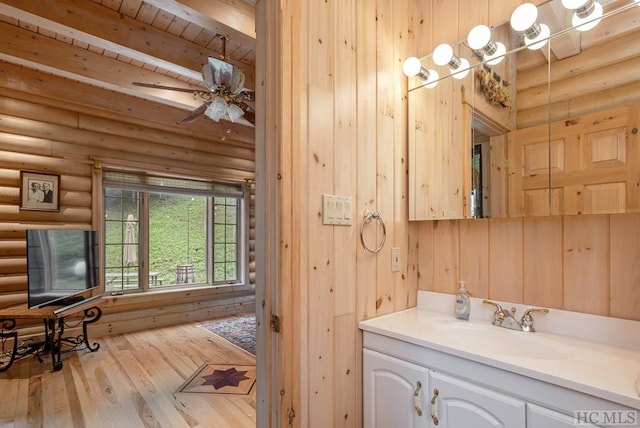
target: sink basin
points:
(502, 341)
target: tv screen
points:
(60, 264)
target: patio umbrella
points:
(130, 255)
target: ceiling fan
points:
(225, 97)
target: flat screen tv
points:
(61, 265)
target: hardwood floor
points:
(131, 381)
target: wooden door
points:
(584, 165)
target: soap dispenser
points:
(462, 302)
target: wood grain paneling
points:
(345, 153)
(366, 198)
(404, 293)
(505, 243)
(474, 256)
(542, 262)
(470, 14)
(387, 87)
(624, 266)
(586, 264)
(314, 156)
(446, 256)
(426, 255)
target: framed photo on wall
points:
(39, 191)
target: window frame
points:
(145, 188)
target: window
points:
(167, 232)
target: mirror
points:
(544, 132)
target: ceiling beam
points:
(39, 52)
(104, 28)
(90, 23)
(227, 17)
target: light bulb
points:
(464, 67)
(590, 21)
(524, 17)
(540, 40)
(442, 54)
(431, 81)
(411, 66)
(479, 37)
(497, 56)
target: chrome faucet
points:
(506, 319)
(527, 319)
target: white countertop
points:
(601, 369)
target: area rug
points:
(221, 379)
(239, 330)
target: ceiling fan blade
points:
(170, 88)
(250, 117)
(249, 113)
(194, 114)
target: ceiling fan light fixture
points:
(235, 112)
(217, 109)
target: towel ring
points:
(368, 216)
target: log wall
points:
(45, 128)
(603, 75)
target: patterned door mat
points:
(221, 379)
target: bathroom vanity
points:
(422, 367)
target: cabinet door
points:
(541, 417)
(392, 389)
(456, 403)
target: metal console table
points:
(53, 318)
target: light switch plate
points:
(336, 210)
(395, 259)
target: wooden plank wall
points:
(46, 127)
(577, 263)
(342, 98)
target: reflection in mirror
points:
(545, 133)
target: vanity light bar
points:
(587, 14)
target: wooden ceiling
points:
(111, 43)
